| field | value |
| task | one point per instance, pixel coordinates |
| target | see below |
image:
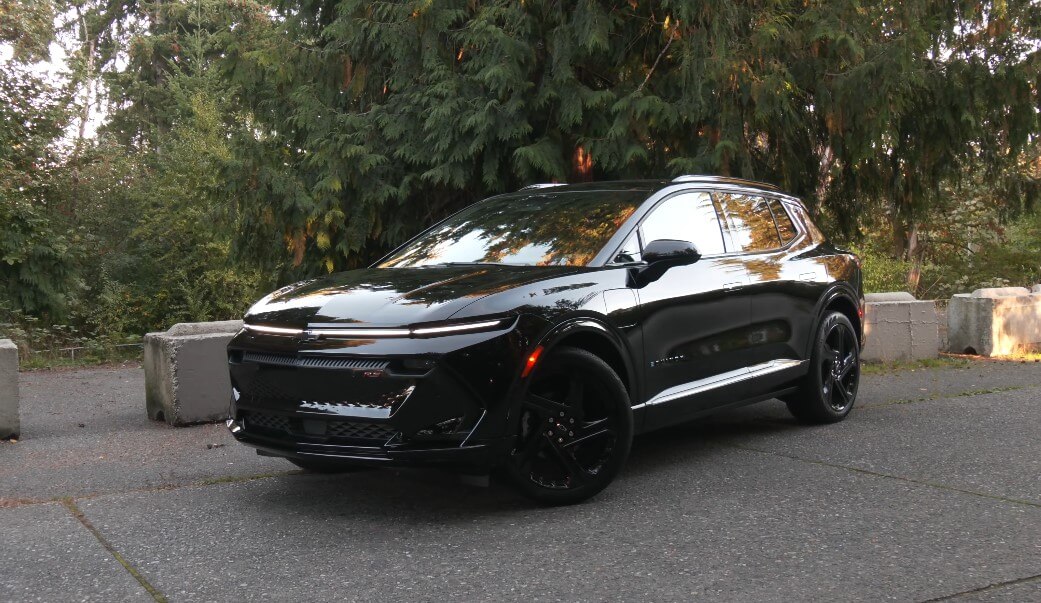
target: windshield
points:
(541, 229)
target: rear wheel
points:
(574, 431)
(830, 389)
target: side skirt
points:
(727, 379)
(711, 411)
(718, 392)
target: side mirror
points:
(670, 251)
(660, 255)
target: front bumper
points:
(445, 403)
(478, 456)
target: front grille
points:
(314, 362)
(282, 425)
(266, 421)
(361, 431)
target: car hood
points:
(392, 296)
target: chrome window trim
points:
(800, 232)
(713, 189)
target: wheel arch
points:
(840, 298)
(598, 339)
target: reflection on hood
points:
(391, 297)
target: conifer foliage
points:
(371, 119)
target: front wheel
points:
(574, 429)
(829, 389)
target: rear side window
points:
(686, 217)
(785, 227)
(751, 223)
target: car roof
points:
(652, 192)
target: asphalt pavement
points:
(931, 490)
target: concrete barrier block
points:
(888, 296)
(203, 328)
(925, 339)
(900, 329)
(923, 313)
(10, 427)
(889, 312)
(996, 292)
(186, 373)
(995, 322)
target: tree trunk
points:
(900, 237)
(914, 253)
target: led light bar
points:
(273, 330)
(360, 333)
(470, 326)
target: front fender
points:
(580, 330)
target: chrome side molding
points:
(721, 380)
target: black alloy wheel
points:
(830, 389)
(574, 429)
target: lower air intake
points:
(281, 425)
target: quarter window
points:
(785, 227)
(751, 223)
(630, 252)
(686, 217)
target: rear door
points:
(762, 236)
(694, 317)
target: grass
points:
(883, 368)
(84, 358)
(944, 361)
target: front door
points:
(695, 317)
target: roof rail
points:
(542, 185)
(723, 180)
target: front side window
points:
(750, 221)
(686, 217)
(535, 229)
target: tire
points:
(320, 466)
(574, 429)
(829, 390)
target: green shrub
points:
(881, 272)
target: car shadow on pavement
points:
(706, 436)
(432, 496)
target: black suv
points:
(538, 331)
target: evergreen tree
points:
(37, 274)
(372, 119)
(161, 214)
